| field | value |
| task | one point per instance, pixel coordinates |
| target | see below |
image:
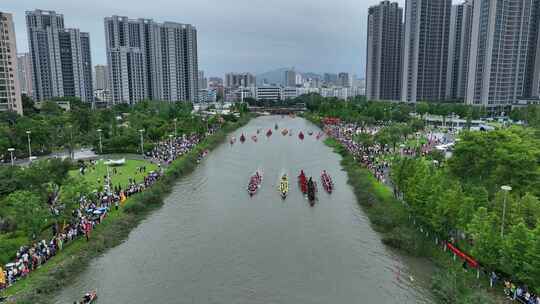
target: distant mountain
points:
(272, 77)
(311, 75)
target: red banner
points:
(331, 121)
(472, 262)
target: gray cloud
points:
(234, 35)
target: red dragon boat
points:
(254, 184)
(327, 182)
(302, 182)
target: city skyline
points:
(321, 37)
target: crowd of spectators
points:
(374, 157)
(371, 156)
(165, 152)
(92, 209)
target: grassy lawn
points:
(95, 175)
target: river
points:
(212, 243)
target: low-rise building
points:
(289, 93)
(272, 93)
(207, 95)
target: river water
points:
(212, 243)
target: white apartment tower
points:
(425, 53)
(150, 60)
(504, 44)
(101, 80)
(61, 60)
(24, 73)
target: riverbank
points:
(388, 216)
(42, 284)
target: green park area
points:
(21, 229)
(119, 174)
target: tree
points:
(402, 169)
(50, 108)
(496, 158)
(30, 214)
(71, 192)
(10, 181)
(486, 238)
(444, 213)
(515, 242)
(452, 286)
(532, 259)
(529, 209)
(28, 105)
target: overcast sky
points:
(234, 35)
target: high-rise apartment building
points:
(503, 50)
(289, 78)
(344, 80)
(101, 77)
(384, 47)
(330, 79)
(150, 60)
(61, 64)
(235, 80)
(203, 82)
(535, 86)
(215, 82)
(86, 57)
(127, 60)
(425, 53)
(10, 94)
(458, 50)
(24, 73)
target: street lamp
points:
(141, 131)
(402, 146)
(11, 150)
(71, 151)
(175, 133)
(29, 146)
(100, 144)
(171, 144)
(506, 189)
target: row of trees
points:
(52, 128)
(464, 197)
(529, 114)
(359, 109)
